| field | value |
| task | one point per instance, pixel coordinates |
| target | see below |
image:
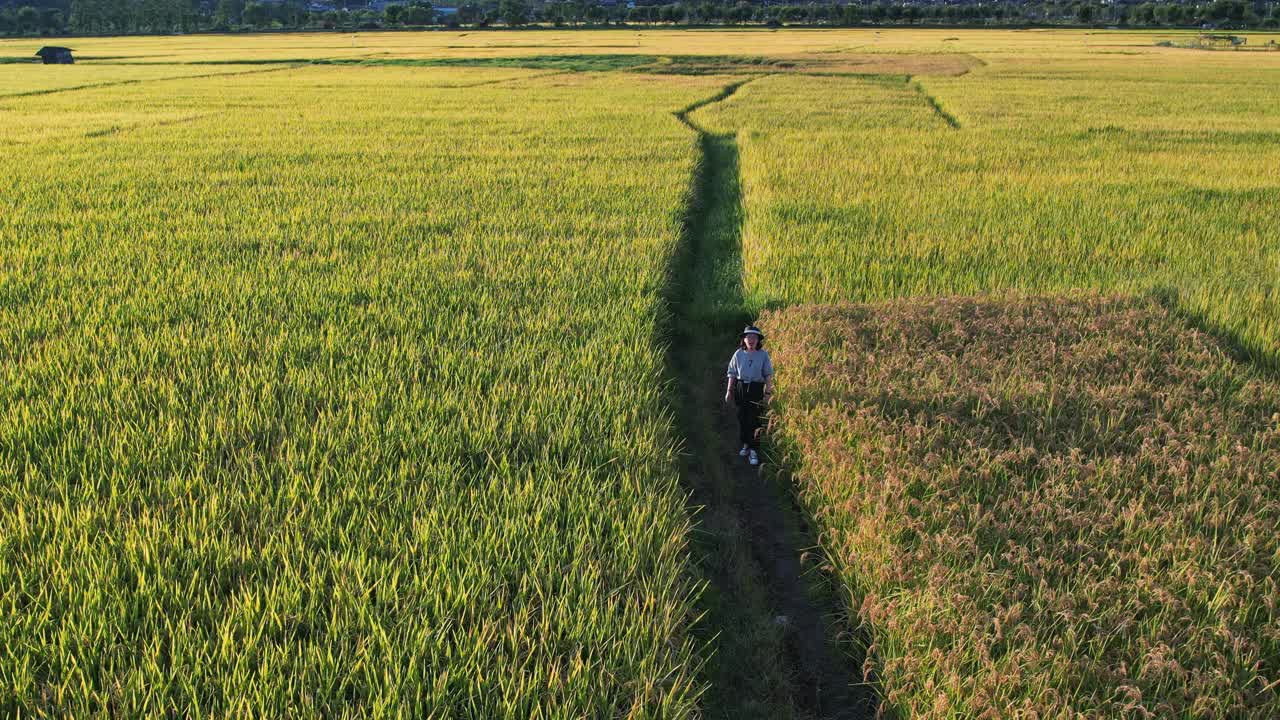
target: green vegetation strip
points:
(570, 63)
(1052, 506)
(658, 64)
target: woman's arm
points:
(733, 370)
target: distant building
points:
(52, 55)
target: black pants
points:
(750, 399)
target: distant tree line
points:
(1219, 13)
(50, 17)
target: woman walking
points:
(750, 380)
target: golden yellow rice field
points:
(333, 378)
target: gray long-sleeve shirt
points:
(754, 366)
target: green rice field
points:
(334, 372)
(302, 413)
(1127, 174)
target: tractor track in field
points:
(771, 630)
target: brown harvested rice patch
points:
(1058, 506)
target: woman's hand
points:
(728, 396)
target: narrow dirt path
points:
(773, 654)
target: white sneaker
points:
(743, 451)
(753, 458)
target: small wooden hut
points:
(53, 55)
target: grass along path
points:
(772, 652)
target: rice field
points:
(314, 404)
(1154, 174)
(333, 384)
(1043, 506)
(19, 80)
(1047, 507)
